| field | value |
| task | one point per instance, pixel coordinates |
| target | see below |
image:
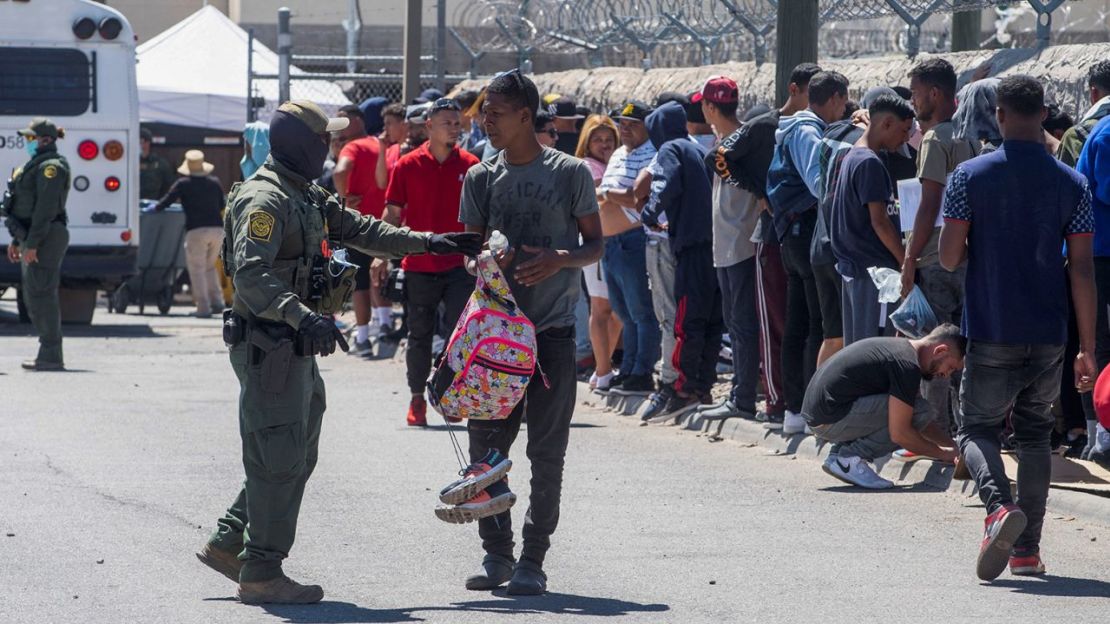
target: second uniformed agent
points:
(156, 174)
(35, 215)
(279, 231)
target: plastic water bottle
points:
(497, 242)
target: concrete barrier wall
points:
(1063, 70)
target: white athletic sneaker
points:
(793, 423)
(855, 471)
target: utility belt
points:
(272, 346)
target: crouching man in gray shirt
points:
(542, 200)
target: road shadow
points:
(10, 327)
(1052, 585)
(335, 612)
(916, 488)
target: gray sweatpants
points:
(660, 268)
(864, 431)
(944, 290)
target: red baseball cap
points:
(719, 90)
(1101, 397)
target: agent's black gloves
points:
(466, 243)
(319, 336)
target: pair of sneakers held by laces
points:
(482, 491)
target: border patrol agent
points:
(280, 230)
(35, 214)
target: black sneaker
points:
(679, 405)
(771, 421)
(657, 403)
(617, 380)
(635, 384)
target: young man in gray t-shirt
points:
(542, 200)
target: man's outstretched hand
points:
(465, 243)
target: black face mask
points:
(296, 146)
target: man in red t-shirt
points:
(360, 178)
(424, 192)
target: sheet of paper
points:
(909, 200)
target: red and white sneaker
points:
(1026, 565)
(1000, 529)
(476, 477)
(495, 499)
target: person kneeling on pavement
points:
(866, 401)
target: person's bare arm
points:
(885, 230)
(902, 433)
(932, 195)
(392, 214)
(938, 435)
(381, 172)
(953, 243)
(342, 175)
(1081, 275)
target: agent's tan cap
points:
(314, 117)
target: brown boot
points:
(222, 561)
(281, 590)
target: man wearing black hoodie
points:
(681, 189)
(279, 226)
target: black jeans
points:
(1022, 380)
(801, 340)
(738, 305)
(549, 409)
(424, 292)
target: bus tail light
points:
(111, 184)
(113, 150)
(110, 27)
(87, 149)
(84, 28)
(125, 236)
(81, 183)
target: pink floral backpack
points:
(490, 357)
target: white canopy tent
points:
(195, 74)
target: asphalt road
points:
(114, 473)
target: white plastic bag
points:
(889, 283)
(914, 317)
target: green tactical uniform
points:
(156, 176)
(38, 210)
(274, 226)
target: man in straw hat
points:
(35, 214)
(280, 229)
(202, 198)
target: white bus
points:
(74, 62)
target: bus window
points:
(37, 82)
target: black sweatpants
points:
(424, 292)
(549, 408)
(698, 322)
(802, 337)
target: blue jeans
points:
(626, 275)
(1022, 380)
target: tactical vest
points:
(22, 204)
(309, 276)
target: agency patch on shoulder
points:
(261, 225)
(49, 172)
